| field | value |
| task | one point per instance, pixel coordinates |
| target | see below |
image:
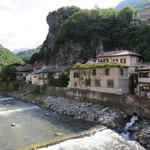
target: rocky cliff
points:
(77, 34)
(59, 48)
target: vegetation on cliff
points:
(86, 32)
(7, 57)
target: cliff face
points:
(55, 20)
(71, 50)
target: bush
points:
(15, 85)
(40, 90)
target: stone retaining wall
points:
(127, 103)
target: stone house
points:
(40, 77)
(109, 78)
(144, 80)
(143, 15)
(109, 73)
(23, 73)
(125, 57)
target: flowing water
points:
(125, 133)
(103, 140)
(24, 124)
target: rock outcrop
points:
(59, 50)
(141, 132)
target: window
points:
(94, 72)
(121, 72)
(110, 83)
(115, 60)
(107, 72)
(75, 84)
(97, 83)
(76, 75)
(144, 74)
(124, 61)
(121, 60)
(87, 82)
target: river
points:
(32, 124)
(23, 124)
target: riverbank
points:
(110, 117)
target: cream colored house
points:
(144, 80)
(109, 73)
(110, 78)
(125, 57)
(39, 78)
(143, 15)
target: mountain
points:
(19, 50)
(137, 4)
(26, 54)
(79, 34)
(7, 57)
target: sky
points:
(23, 22)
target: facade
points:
(144, 80)
(103, 79)
(110, 72)
(143, 15)
(125, 57)
(39, 78)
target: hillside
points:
(7, 57)
(26, 55)
(137, 4)
(81, 34)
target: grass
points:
(88, 66)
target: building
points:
(109, 78)
(144, 80)
(125, 57)
(39, 78)
(23, 73)
(110, 72)
(143, 15)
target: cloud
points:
(23, 22)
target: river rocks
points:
(141, 132)
(59, 134)
(13, 124)
(112, 118)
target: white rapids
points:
(6, 98)
(102, 140)
(8, 112)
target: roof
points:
(97, 65)
(117, 53)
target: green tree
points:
(8, 73)
(63, 79)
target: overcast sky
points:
(23, 22)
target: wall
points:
(128, 104)
(120, 82)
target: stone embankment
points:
(109, 117)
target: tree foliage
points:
(116, 29)
(8, 74)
